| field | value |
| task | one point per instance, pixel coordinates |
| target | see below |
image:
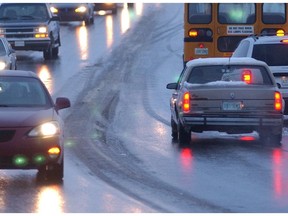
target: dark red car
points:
(31, 130)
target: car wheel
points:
(114, 11)
(270, 139)
(92, 19)
(47, 54)
(55, 52)
(53, 172)
(184, 137)
(87, 21)
(174, 129)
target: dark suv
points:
(30, 26)
(274, 51)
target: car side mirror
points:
(171, 86)
(62, 103)
(55, 18)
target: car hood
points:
(25, 117)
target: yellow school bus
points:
(215, 29)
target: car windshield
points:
(235, 74)
(23, 11)
(272, 54)
(22, 92)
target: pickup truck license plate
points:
(19, 43)
(232, 106)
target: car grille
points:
(6, 135)
(24, 32)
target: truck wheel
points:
(184, 137)
(55, 52)
(174, 133)
(47, 54)
(266, 137)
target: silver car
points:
(233, 95)
(8, 59)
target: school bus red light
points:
(201, 45)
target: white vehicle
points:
(274, 51)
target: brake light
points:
(247, 76)
(278, 101)
(186, 102)
(284, 41)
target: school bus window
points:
(228, 44)
(236, 13)
(199, 13)
(274, 13)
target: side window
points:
(183, 76)
(242, 49)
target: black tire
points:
(47, 54)
(174, 129)
(55, 52)
(114, 11)
(54, 173)
(184, 137)
(266, 138)
(87, 21)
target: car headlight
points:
(2, 65)
(41, 29)
(41, 32)
(53, 10)
(46, 129)
(2, 32)
(81, 9)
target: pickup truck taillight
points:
(186, 102)
(278, 101)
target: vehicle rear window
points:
(235, 74)
(272, 54)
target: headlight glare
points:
(42, 29)
(81, 9)
(2, 65)
(46, 129)
(53, 10)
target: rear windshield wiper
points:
(4, 105)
